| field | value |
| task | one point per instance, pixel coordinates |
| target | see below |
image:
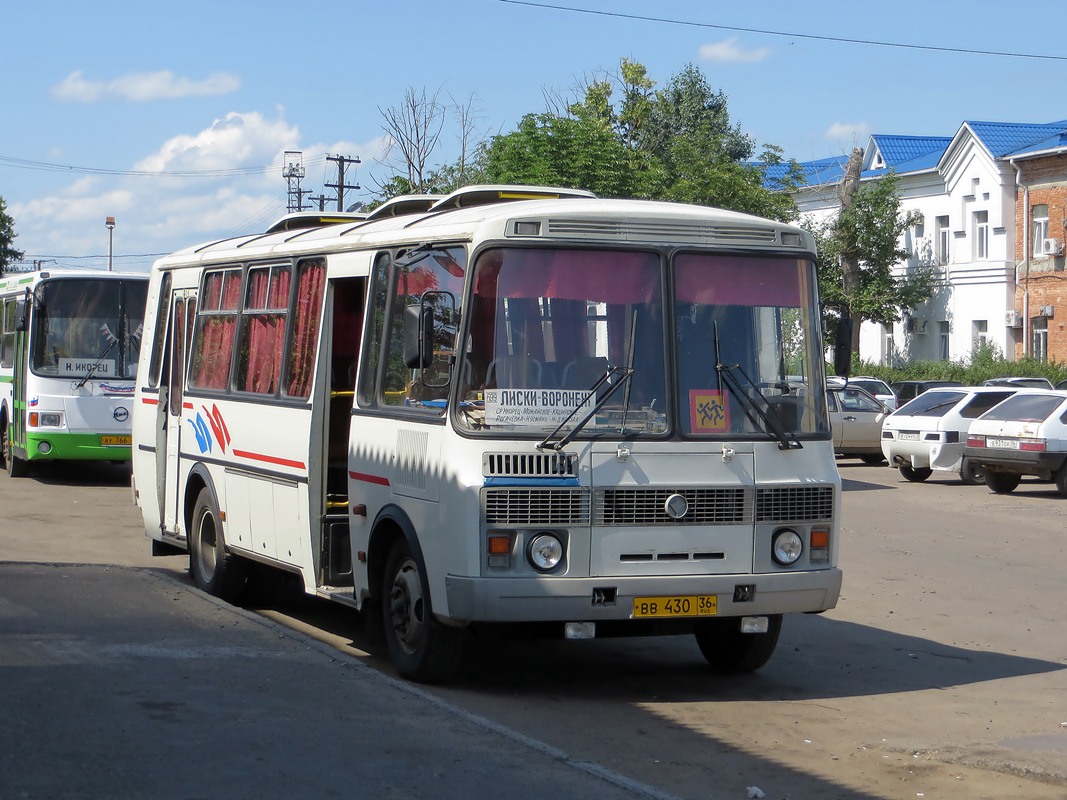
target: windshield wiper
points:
(787, 439)
(96, 364)
(624, 374)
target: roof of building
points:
(911, 154)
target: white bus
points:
(69, 344)
(523, 407)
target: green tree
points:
(867, 234)
(8, 253)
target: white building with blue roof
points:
(963, 190)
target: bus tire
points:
(15, 466)
(729, 651)
(214, 569)
(915, 474)
(420, 647)
(1002, 482)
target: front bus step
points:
(336, 551)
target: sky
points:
(174, 118)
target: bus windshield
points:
(88, 327)
(560, 339)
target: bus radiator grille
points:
(525, 507)
(725, 506)
(794, 504)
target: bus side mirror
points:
(20, 315)
(418, 336)
(843, 347)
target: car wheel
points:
(915, 474)
(872, 459)
(1061, 480)
(729, 651)
(1002, 482)
(971, 473)
(421, 648)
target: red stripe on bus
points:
(284, 462)
(188, 406)
(360, 476)
(150, 401)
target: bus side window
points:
(7, 334)
(376, 309)
(303, 342)
(162, 311)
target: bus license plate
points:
(694, 605)
(124, 440)
(1006, 444)
(908, 437)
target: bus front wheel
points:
(729, 651)
(214, 570)
(15, 466)
(421, 648)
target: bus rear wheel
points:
(729, 651)
(214, 570)
(15, 466)
(421, 648)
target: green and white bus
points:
(69, 343)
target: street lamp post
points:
(110, 223)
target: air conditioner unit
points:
(1013, 319)
(1046, 311)
(1052, 247)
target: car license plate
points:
(908, 437)
(693, 605)
(1003, 444)
(124, 440)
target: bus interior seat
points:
(583, 372)
(514, 372)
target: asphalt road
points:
(940, 674)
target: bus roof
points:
(15, 280)
(493, 211)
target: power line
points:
(838, 39)
(44, 166)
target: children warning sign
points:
(708, 411)
(541, 407)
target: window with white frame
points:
(1038, 228)
(944, 237)
(981, 235)
(942, 344)
(1039, 338)
(981, 334)
(887, 344)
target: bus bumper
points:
(593, 599)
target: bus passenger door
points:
(183, 309)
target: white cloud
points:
(141, 87)
(730, 51)
(852, 132)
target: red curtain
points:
(216, 328)
(267, 299)
(311, 282)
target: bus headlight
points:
(51, 419)
(786, 546)
(545, 551)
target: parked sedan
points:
(930, 432)
(1019, 383)
(856, 419)
(875, 387)
(1024, 435)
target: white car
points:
(875, 387)
(856, 419)
(1024, 435)
(930, 432)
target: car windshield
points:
(871, 387)
(1026, 408)
(546, 325)
(930, 404)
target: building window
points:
(887, 344)
(1038, 228)
(1039, 338)
(944, 236)
(981, 235)
(981, 334)
(942, 345)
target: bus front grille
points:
(735, 505)
(794, 504)
(525, 507)
(726, 506)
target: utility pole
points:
(293, 172)
(321, 200)
(340, 186)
